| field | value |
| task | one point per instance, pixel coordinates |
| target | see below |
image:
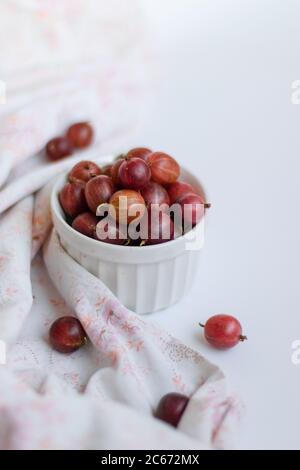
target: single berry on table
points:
(80, 134)
(171, 408)
(223, 331)
(58, 148)
(66, 335)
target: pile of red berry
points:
(140, 188)
(78, 136)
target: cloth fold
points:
(15, 256)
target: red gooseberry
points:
(159, 227)
(72, 199)
(134, 173)
(98, 190)
(58, 148)
(223, 331)
(67, 335)
(85, 223)
(80, 134)
(106, 170)
(192, 207)
(84, 171)
(115, 171)
(128, 205)
(139, 152)
(171, 408)
(178, 189)
(155, 193)
(164, 168)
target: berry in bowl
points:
(135, 222)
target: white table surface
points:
(224, 109)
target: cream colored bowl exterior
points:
(145, 279)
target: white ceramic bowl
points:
(145, 279)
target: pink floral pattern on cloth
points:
(103, 395)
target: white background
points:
(224, 110)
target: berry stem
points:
(201, 324)
(207, 205)
(243, 338)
